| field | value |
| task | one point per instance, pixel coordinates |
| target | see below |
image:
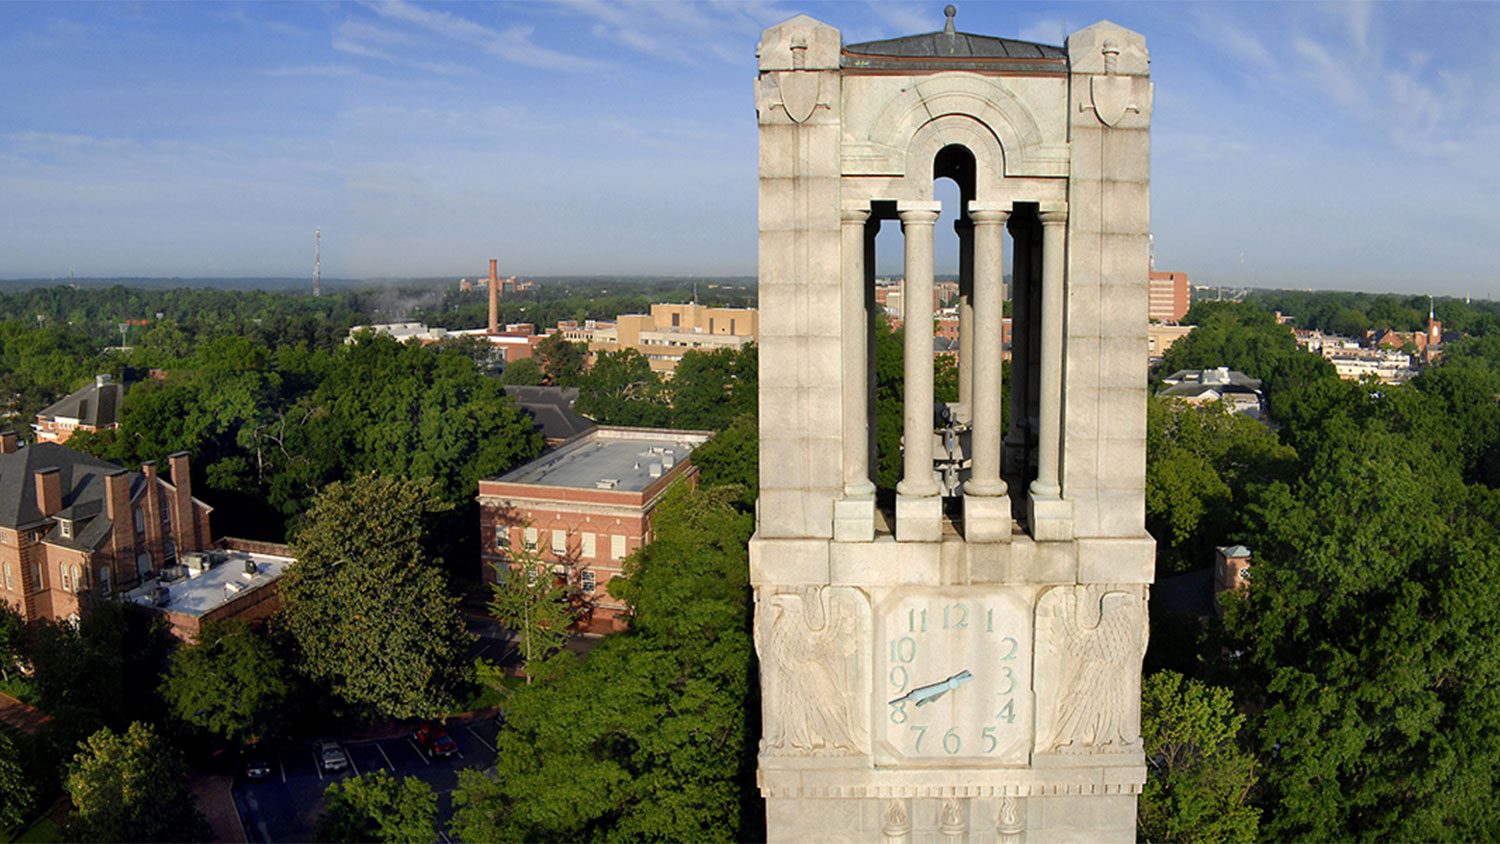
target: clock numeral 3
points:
(1010, 680)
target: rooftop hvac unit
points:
(197, 563)
(606, 483)
(655, 470)
(669, 461)
(160, 596)
(250, 569)
(231, 589)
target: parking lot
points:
(285, 806)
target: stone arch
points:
(955, 130)
(1011, 124)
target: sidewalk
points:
(216, 802)
(27, 719)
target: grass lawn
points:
(43, 830)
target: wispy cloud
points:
(513, 44)
(239, 17)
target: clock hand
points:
(933, 691)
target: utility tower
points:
(317, 263)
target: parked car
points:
(257, 764)
(330, 756)
(434, 740)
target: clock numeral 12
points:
(955, 617)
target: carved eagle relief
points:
(1094, 645)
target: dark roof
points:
(950, 49)
(82, 480)
(94, 405)
(552, 410)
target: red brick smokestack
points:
(494, 299)
(48, 490)
(8, 442)
(117, 507)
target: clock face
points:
(953, 677)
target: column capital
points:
(918, 211)
(988, 216)
(855, 214)
(1053, 216)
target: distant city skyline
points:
(1339, 146)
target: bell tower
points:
(955, 656)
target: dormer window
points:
(65, 526)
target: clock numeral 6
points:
(951, 741)
(989, 738)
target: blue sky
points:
(1349, 145)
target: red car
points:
(434, 741)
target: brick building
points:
(93, 408)
(1171, 296)
(668, 331)
(585, 507)
(73, 525)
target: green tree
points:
(1199, 780)
(12, 640)
(621, 389)
(711, 389)
(131, 786)
(650, 738)
(16, 792)
(1201, 462)
(377, 807)
(732, 459)
(230, 682)
(561, 360)
(522, 373)
(533, 605)
(1248, 339)
(367, 606)
(1366, 640)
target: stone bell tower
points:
(956, 657)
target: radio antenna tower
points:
(317, 262)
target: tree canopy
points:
(131, 786)
(650, 738)
(230, 682)
(367, 605)
(377, 807)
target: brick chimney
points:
(494, 298)
(9, 442)
(117, 507)
(151, 503)
(48, 491)
(184, 519)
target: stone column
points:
(986, 506)
(919, 507)
(1020, 350)
(1051, 517)
(965, 230)
(854, 514)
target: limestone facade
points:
(957, 658)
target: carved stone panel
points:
(1089, 644)
(814, 658)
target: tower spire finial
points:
(949, 11)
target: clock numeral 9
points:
(903, 649)
(899, 678)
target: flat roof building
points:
(585, 506)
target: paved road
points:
(285, 806)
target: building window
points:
(617, 547)
(65, 526)
(78, 584)
(36, 576)
(104, 580)
(589, 548)
(10, 582)
(560, 543)
(586, 580)
(67, 582)
(530, 537)
(502, 538)
(140, 521)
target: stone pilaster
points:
(918, 503)
(987, 516)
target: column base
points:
(987, 518)
(919, 519)
(854, 519)
(1051, 519)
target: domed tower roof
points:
(950, 49)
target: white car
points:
(331, 756)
